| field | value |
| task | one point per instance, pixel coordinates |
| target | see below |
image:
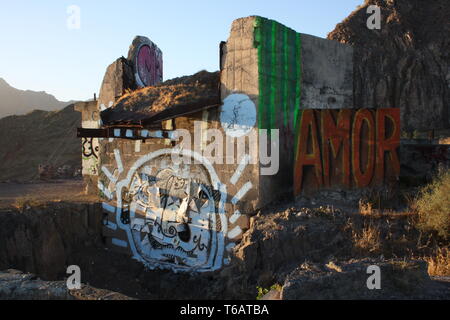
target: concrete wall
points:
(327, 74)
(283, 72)
(90, 148)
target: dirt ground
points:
(57, 190)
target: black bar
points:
(92, 133)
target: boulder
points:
(399, 279)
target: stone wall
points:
(143, 184)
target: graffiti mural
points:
(173, 213)
(90, 150)
(347, 148)
(147, 62)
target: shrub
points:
(368, 239)
(439, 263)
(263, 291)
(433, 206)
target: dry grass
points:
(439, 264)
(200, 87)
(365, 208)
(368, 239)
(433, 206)
(27, 202)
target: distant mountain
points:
(18, 102)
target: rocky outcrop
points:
(399, 279)
(406, 63)
(15, 285)
(276, 243)
(40, 239)
(117, 80)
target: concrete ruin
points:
(183, 205)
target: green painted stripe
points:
(279, 63)
(286, 77)
(273, 80)
(279, 76)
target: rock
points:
(272, 295)
(400, 279)
(40, 239)
(276, 242)
(405, 63)
(15, 285)
(117, 80)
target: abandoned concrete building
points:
(277, 119)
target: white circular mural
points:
(238, 115)
(173, 212)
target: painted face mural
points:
(173, 212)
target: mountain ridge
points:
(20, 102)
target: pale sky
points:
(39, 52)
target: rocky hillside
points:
(406, 63)
(40, 137)
(17, 102)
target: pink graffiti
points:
(149, 65)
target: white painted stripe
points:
(119, 243)
(230, 246)
(156, 134)
(241, 193)
(109, 175)
(234, 232)
(242, 165)
(118, 160)
(111, 225)
(235, 216)
(172, 135)
(204, 129)
(105, 191)
(137, 146)
(108, 207)
(116, 132)
(139, 221)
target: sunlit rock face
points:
(404, 64)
